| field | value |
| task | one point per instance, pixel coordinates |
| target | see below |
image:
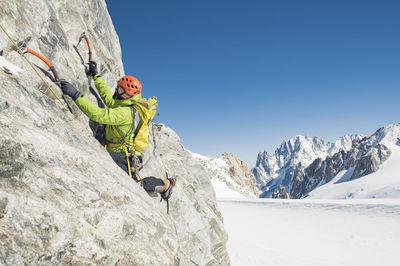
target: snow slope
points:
(384, 183)
(312, 232)
(223, 191)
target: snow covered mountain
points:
(230, 176)
(371, 169)
(278, 169)
(303, 164)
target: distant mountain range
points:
(303, 164)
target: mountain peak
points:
(389, 134)
(302, 163)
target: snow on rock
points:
(8, 67)
(384, 183)
(271, 171)
(63, 201)
(344, 143)
(360, 171)
(351, 158)
(230, 176)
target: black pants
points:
(120, 160)
(150, 184)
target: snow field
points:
(384, 183)
(312, 232)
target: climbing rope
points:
(37, 72)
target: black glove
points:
(69, 90)
(92, 71)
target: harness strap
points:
(111, 144)
(127, 144)
(123, 142)
(137, 128)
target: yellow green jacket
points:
(118, 113)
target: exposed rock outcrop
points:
(280, 193)
(63, 200)
(232, 172)
(370, 161)
(240, 172)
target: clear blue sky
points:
(243, 76)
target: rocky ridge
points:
(364, 156)
(62, 198)
(273, 170)
(232, 172)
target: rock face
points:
(280, 193)
(231, 171)
(62, 198)
(240, 172)
(363, 157)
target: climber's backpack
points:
(146, 107)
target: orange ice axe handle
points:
(53, 70)
(88, 45)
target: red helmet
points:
(127, 87)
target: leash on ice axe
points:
(83, 36)
(17, 47)
(22, 48)
(85, 65)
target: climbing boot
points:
(169, 183)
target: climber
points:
(126, 132)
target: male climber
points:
(123, 122)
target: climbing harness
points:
(130, 153)
(32, 66)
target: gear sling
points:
(146, 108)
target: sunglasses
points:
(120, 93)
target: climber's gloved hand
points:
(69, 90)
(92, 71)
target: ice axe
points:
(83, 36)
(56, 79)
(16, 46)
(53, 70)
